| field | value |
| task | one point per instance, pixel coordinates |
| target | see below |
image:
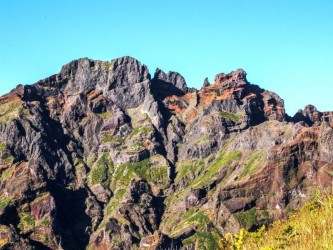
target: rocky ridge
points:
(104, 156)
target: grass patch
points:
(9, 111)
(142, 169)
(226, 159)
(101, 169)
(108, 138)
(187, 167)
(45, 223)
(254, 162)
(108, 65)
(137, 117)
(27, 222)
(2, 146)
(41, 197)
(24, 112)
(309, 228)
(202, 139)
(204, 240)
(192, 219)
(7, 173)
(106, 115)
(141, 130)
(114, 203)
(8, 159)
(4, 202)
(135, 147)
(213, 170)
(114, 139)
(230, 116)
(247, 218)
(207, 123)
(154, 170)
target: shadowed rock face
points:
(101, 156)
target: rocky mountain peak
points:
(311, 116)
(169, 83)
(102, 156)
(237, 77)
(206, 83)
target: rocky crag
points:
(104, 156)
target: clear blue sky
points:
(284, 45)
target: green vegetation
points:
(191, 219)
(309, 228)
(137, 117)
(24, 112)
(45, 223)
(198, 218)
(247, 218)
(204, 240)
(189, 167)
(142, 169)
(108, 138)
(206, 237)
(108, 65)
(101, 169)
(41, 197)
(136, 147)
(8, 159)
(114, 203)
(236, 241)
(4, 202)
(140, 121)
(153, 169)
(232, 117)
(202, 139)
(113, 138)
(4, 231)
(9, 111)
(141, 130)
(254, 162)
(224, 159)
(7, 173)
(207, 123)
(147, 118)
(27, 222)
(199, 175)
(90, 160)
(106, 115)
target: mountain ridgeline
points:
(105, 156)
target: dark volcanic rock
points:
(311, 116)
(168, 84)
(206, 83)
(142, 209)
(101, 156)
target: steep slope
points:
(308, 228)
(102, 156)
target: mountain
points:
(104, 156)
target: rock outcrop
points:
(102, 156)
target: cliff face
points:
(103, 156)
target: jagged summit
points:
(172, 77)
(311, 116)
(104, 156)
(235, 77)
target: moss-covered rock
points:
(5, 201)
(254, 161)
(101, 170)
(247, 219)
